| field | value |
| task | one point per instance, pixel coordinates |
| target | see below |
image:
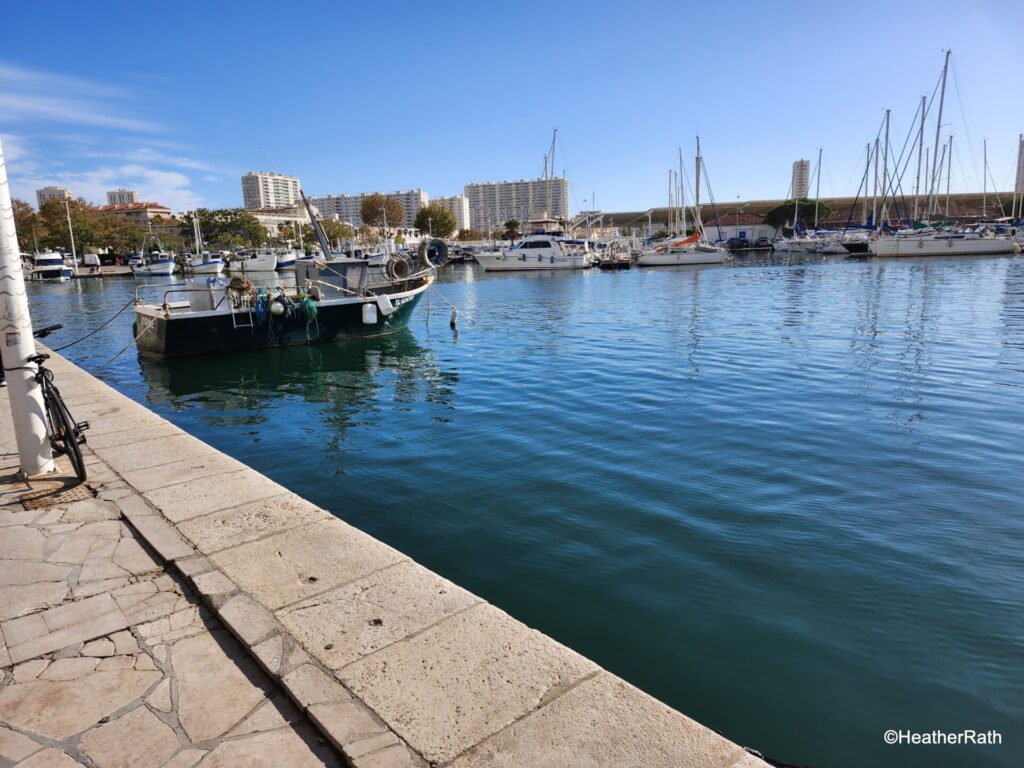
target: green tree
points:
(468, 235)
(335, 230)
(784, 215)
(120, 234)
(26, 224)
(85, 221)
(382, 212)
(435, 220)
(225, 227)
(511, 229)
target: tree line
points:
(95, 230)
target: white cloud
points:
(153, 185)
(152, 156)
(16, 108)
(35, 96)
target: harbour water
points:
(784, 496)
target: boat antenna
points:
(321, 237)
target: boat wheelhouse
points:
(50, 267)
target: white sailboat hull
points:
(653, 258)
(942, 246)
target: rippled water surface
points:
(783, 497)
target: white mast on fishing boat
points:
(71, 232)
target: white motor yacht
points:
(50, 266)
(537, 251)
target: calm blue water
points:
(783, 497)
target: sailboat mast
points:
(817, 189)
(682, 197)
(949, 172)
(867, 173)
(885, 166)
(984, 178)
(938, 127)
(920, 149)
(671, 211)
(696, 188)
(874, 195)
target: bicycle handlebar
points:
(42, 333)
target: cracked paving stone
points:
(135, 739)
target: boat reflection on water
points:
(242, 389)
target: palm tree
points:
(512, 229)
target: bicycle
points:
(64, 432)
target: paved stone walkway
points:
(109, 660)
(394, 665)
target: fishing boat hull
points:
(943, 246)
(162, 268)
(261, 262)
(175, 331)
(653, 258)
(206, 268)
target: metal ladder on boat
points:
(240, 314)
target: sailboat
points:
(938, 241)
(685, 249)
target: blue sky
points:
(178, 101)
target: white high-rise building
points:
(801, 177)
(46, 194)
(459, 207)
(491, 204)
(348, 208)
(122, 196)
(261, 189)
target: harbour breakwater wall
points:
(396, 665)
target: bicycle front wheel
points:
(65, 433)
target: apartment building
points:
(801, 177)
(459, 207)
(122, 196)
(348, 208)
(262, 189)
(493, 203)
(46, 194)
